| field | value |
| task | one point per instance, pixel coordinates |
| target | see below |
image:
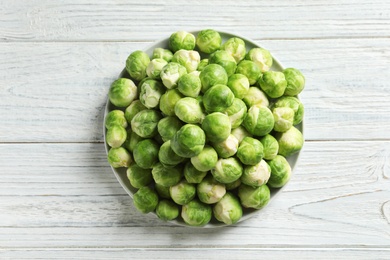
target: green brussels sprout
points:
(259, 120)
(250, 151)
(236, 47)
(167, 156)
(250, 70)
(166, 177)
(216, 126)
(240, 133)
(167, 210)
(160, 53)
(189, 59)
(154, 68)
(218, 98)
(210, 191)
(188, 110)
(284, 118)
(294, 104)
(227, 170)
(189, 141)
(254, 197)
(208, 41)
(168, 101)
(196, 213)
(270, 146)
(133, 109)
(255, 96)
(171, 73)
(211, 75)
(273, 83)
(237, 112)
(122, 92)
(115, 117)
(168, 126)
(205, 160)
(189, 85)
(295, 81)
(202, 64)
(227, 147)
(192, 175)
(183, 192)
(136, 65)
(280, 172)
(119, 157)
(162, 191)
(239, 85)
(132, 140)
(290, 141)
(224, 59)
(139, 177)
(144, 123)
(181, 40)
(146, 153)
(256, 175)
(228, 210)
(116, 135)
(145, 199)
(233, 185)
(150, 93)
(261, 57)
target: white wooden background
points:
(58, 196)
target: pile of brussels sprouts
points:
(204, 127)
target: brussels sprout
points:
(211, 75)
(236, 47)
(255, 96)
(122, 92)
(189, 85)
(181, 40)
(259, 120)
(119, 157)
(167, 156)
(188, 141)
(144, 123)
(133, 109)
(224, 59)
(188, 110)
(250, 151)
(205, 160)
(136, 64)
(116, 135)
(273, 83)
(160, 53)
(250, 70)
(202, 64)
(284, 117)
(154, 68)
(150, 93)
(192, 175)
(239, 85)
(166, 177)
(139, 177)
(145, 199)
(218, 98)
(237, 112)
(168, 101)
(210, 191)
(294, 104)
(254, 197)
(227, 170)
(189, 59)
(261, 57)
(167, 210)
(196, 213)
(171, 73)
(233, 185)
(228, 210)
(256, 175)
(183, 192)
(146, 153)
(208, 41)
(280, 172)
(227, 147)
(270, 146)
(295, 81)
(162, 191)
(168, 126)
(240, 133)
(216, 126)
(132, 140)
(115, 117)
(290, 141)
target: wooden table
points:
(58, 195)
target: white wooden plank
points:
(133, 20)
